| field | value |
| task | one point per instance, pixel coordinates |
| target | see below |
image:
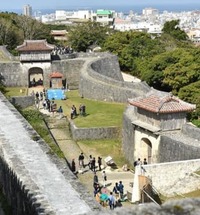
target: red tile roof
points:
(35, 45)
(166, 104)
(56, 75)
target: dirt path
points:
(60, 130)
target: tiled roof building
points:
(35, 45)
(166, 104)
(152, 117)
(35, 50)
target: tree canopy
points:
(86, 34)
(172, 28)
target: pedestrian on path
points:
(81, 160)
(111, 201)
(60, 111)
(90, 162)
(93, 164)
(121, 190)
(104, 176)
(73, 166)
(95, 179)
(99, 163)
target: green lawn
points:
(104, 148)
(16, 91)
(97, 113)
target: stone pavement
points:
(60, 130)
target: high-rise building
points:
(27, 10)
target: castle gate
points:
(35, 77)
(146, 149)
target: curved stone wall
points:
(99, 84)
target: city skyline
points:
(38, 4)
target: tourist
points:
(145, 161)
(81, 160)
(93, 164)
(44, 104)
(84, 110)
(60, 111)
(99, 163)
(116, 191)
(37, 95)
(72, 113)
(90, 162)
(44, 92)
(116, 188)
(81, 110)
(97, 189)
(121, 190)
(73, 167)
(52, 107)
(104, 176)
(138, 162)
(41, 95)
(111, 201)
(95, 179)
(48, 105)
(37, 103)
(74, 109)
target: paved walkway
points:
(60, 130)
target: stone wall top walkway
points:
(20, 150)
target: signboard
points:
(56, 94)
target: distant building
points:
(150, 11)
(105, 17)
(59, 34)
(27, 10)
(61, 15)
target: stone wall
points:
(71, 70)
(97, 76)
(177, 149)
(94, 133)
(108, 67)
(34, 181)
(17, 194)
(16, 74)
(23, 101)
(191, 131)
(174, 177)
(12, 73)
(95, 85)
(128, 134)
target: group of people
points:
(35, 83)
(82, 111)
(61, 50)
(92, 163)
(103, 196)
(139, 162)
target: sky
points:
(56, 4)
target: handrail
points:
(150, 197)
